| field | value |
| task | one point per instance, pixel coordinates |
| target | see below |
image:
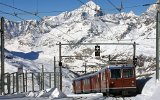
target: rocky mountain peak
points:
(152, 8)
(90, 8)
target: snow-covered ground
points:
(150, 91)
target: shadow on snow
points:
(30, 55)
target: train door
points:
(115, 79)
(129, 78)
(129, 81)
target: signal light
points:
(97, 50)
(60, 63)
(135, 61)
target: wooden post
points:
(50, 80)
(55, 72)
(42, 81)
(8, 83)
(13, 78)
(32, 82)
(17, 84)
(39, 81)
(26, 80)
(23, 82)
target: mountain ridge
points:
(82, 25)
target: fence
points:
(25, 82)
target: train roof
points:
(103, 69)
(121, 66)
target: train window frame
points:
(120, 73)
(130, 76)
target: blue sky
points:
(65, 5)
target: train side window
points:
(85, 81)
(115, 73)
(103, 77)
(127, 73)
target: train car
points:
(112, 79)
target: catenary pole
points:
(60, 66)
(2, 55)
(157, 40)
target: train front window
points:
(115, 73)
(127, 73)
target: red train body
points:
(113, 79)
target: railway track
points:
(100, 98)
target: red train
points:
(112, 80)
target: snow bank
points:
(12, 96)
(48, 93)
(156, 94)
(32, 94)
(57, 94)
(150, 86)
(150, 90)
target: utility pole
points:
(157, 40)
(2, 55)
(60, 65)
(69, 44)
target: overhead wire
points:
(15, 15)
(18, 9)
(34, 15)
(40, 18)
(94, 10)
(25, 21)
(31, 13)
(120, 11)
(99, 19)
(41, 12)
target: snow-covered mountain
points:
(32, 42)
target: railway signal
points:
(60, 63)
(135, 61)
(97, 50)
